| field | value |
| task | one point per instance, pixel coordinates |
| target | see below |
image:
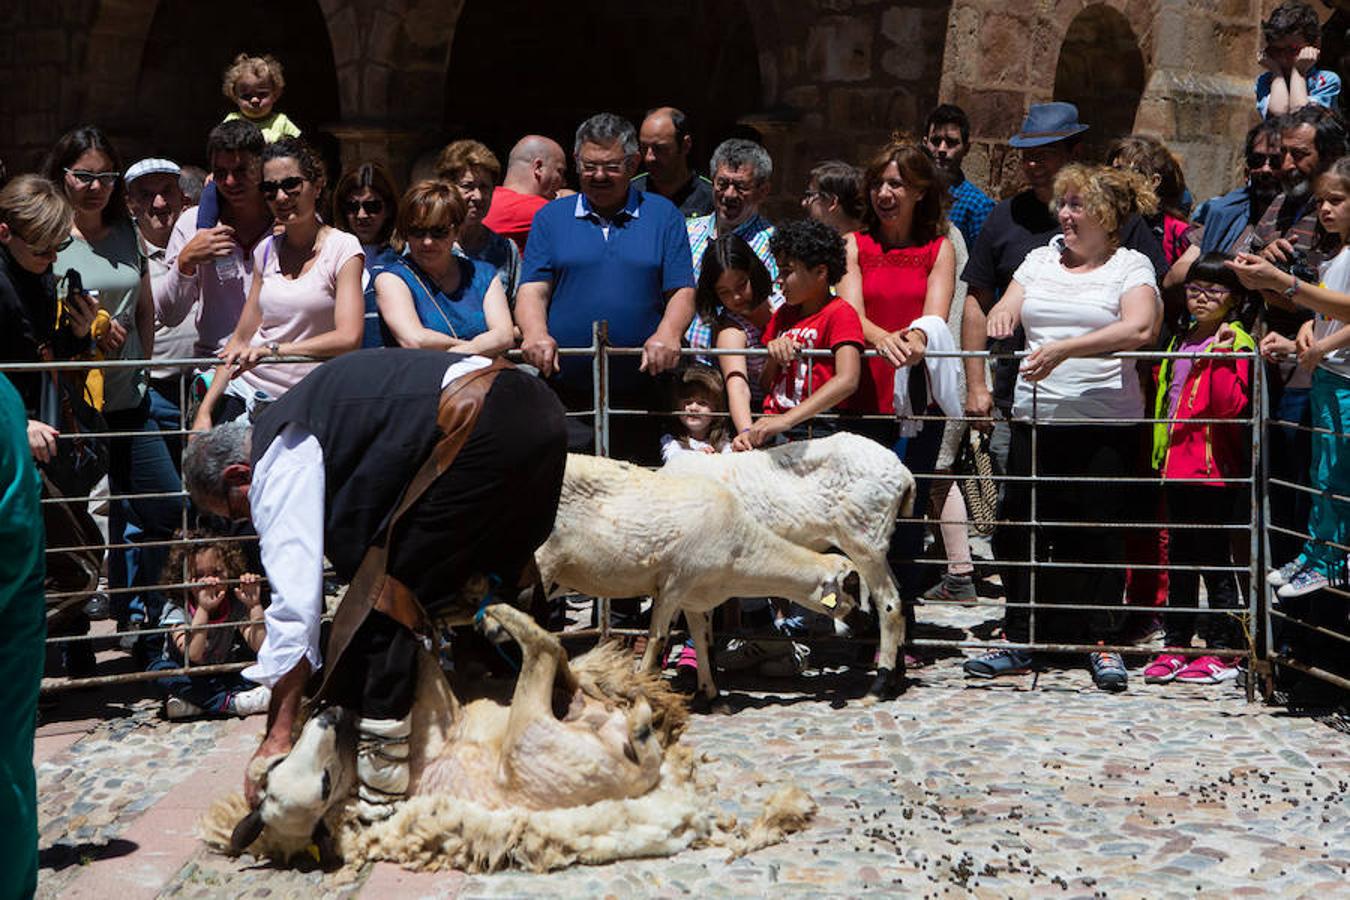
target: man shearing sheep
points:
(413, 471)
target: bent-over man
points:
(413, 471)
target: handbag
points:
(81, 454)
(980, 492)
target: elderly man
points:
(535, 171)
(155, 201)
(665, 142)
(741, 173)
(210, 270)
(612, 253)
(423, 477)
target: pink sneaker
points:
(1164, 668)
(1208, 670)
(688, 658)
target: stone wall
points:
(835, 76)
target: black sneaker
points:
(1108, 671)
(998, 662)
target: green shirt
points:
(113, 267)
(273, 127)
(21, 534)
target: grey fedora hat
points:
(1047, 123)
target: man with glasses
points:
(210, 269)
(947, 136)
(610, 253)
(665, 143)
(741, 173)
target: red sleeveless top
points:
(894, 285)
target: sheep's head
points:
(300, 787)
(842, 590)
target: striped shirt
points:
(755, 231)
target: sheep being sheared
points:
(623, 531)
(581, 767)
(841, 491)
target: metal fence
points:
(1258, 619)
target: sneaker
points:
(998, 662)
(787, 665)
(250, 702)
(1306, 580)
(1285, 573)
(176, 708)
(1208, 670)
(742, 654)
(1108, 671)
(1164, 668)
(954, 589)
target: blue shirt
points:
(618, 270)
(458, 314)
(1323, 88)
(376, 262)
(1224, 219)
(970, 207)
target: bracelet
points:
(743, 430)
(1290, 291)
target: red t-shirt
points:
(512, 213)
(894, 285)
(833, 324)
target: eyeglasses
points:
(611, 167)
(371, 207)
(1215, 293)
(289, 185)
(86, 179)
(439, 233)
(722, 185)
(1261, 160)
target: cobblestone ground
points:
(1031, 786)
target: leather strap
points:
(373, 587)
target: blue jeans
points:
(141, 464)
(1329, 519)
(211, 692)
(1289, 453)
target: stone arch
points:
(1107, 95)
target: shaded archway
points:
(178, 90)
(1101, 70)
(505, 80)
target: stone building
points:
(394, 79)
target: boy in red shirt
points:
(810, 258)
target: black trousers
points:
(486, 515)
(1202, 504)
(1099, 452)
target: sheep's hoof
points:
(889, 684)
(703, 705)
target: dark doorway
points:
(1101, 70)
(190, 44)
(513, 71)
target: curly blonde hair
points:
(233, 562)
(1110, 196)
(265, 66)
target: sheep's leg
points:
(700, 627)
(658, 635)
(542, 660)
(885, 599)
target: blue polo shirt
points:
(618, 270)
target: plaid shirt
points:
(756, 232)
(970, 207)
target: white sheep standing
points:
(689, 543)
(841, 491)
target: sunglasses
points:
(86, 179)
(288, 185)
(943, 140)
(46, 251)
(439, 233)
(372, 207)
(1258, 160)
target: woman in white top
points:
(305, 299)
(1081, 296)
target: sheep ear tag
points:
(829, 601)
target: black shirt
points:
(694, 199)
(28, 326)
(1014, 228)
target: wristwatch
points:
(274, 348)
(1290, 291)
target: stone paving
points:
(1031, 786)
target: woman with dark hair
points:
(1150, 157)
(734, 292)
(305, 299)
(435, 298)
(834, 195)
(901, 267)
(365, 203)
(106, 251)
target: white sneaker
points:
(788, 664)
(743, 654)
(176, 708)
(1285, 573)
(251, 702)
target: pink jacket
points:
(1218, 387)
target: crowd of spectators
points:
(898, 255)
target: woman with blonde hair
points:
(1079, 297)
